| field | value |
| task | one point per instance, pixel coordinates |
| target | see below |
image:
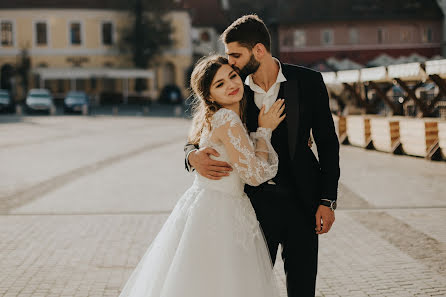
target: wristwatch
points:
(329, 203)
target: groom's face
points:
(241, 59)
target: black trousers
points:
(284, 221)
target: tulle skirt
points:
(210, 246)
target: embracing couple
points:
(257, 182)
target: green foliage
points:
(24, 67)
(148, 32)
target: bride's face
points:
(226, 87)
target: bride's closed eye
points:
(231, 77)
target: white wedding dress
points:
(212, 245)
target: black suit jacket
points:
(307, 108)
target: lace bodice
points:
(252, 157)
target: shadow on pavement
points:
(11, 118)
(149, 110)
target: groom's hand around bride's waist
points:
(207, 167)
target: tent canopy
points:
(85, 73)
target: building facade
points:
(360, 30)
(347, 32)
(208, 21)
(359, 41)
(68, 37)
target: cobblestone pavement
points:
(81, 198)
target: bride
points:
(211, 245)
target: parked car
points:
(171, 94)
(75, 101)
(6, 103)
(39, 100)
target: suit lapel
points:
(290, 91)
(252, 111)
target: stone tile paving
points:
(79, 239)
(391, 181)
(355, 261)
(93, 255)
(71, 255)
(431, 221)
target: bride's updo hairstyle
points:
(202, 107)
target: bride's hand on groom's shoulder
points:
(207, 167)
(325, 218)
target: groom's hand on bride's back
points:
(207, 167)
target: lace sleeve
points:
(254, 158)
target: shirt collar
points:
(280, 77)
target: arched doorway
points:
(6, 77)
(169, 74)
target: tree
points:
(148, 34)
(23, 68)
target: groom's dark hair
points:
(248, 30)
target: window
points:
(299, 38)
(327, 37)
(6, 33)
(80, 84)
(225, 4)
(49, 84)
(75, 33)
(108, 85)
(353, 34)
(36, 82)
(60, 86)
(41, 33)
(107, 33)
(380, 35)
(140, 85)
(287, 39)
(93, 83)
(405, 34)
(427, 35)
(205, 36)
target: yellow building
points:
(77, 48)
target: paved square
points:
(81, 198)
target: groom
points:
(298, 204)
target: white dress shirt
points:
(260, 96)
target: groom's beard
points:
(249, 68)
